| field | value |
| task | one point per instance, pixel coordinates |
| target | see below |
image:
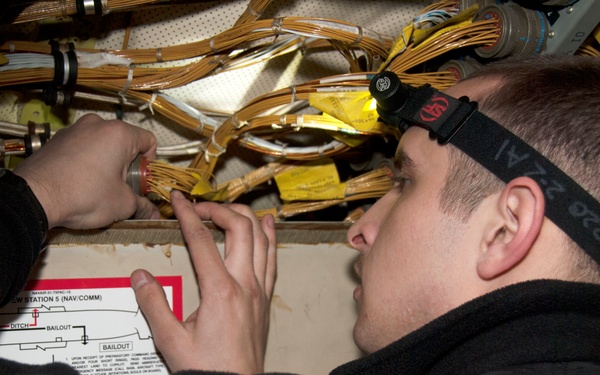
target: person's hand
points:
(228, 331)
(79, 174)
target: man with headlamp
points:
(485, 255)
(483, 258)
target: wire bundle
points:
(263, 123)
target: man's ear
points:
(514, 228)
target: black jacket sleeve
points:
(23, 229)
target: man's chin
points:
(361, 339)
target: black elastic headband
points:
(457, 121)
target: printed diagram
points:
(46, 327)
(94, 325)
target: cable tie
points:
(159, 57)
(283, 120)
(222, 60)
(219, 148)
(245, 184)
(63, 8)
(271, 172)
(293, 89)
(11, 46)
(284, 149)
(299, 122)
(252, 12)
(235, 121)
(321, 151)
(149, 104)
(303, 46)
(128, 83)
(276, 26)
(105, 10)
(200, 129)
(280, 212)
(208, 155)
(358, 38)
(211, 44)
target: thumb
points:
(151, 297)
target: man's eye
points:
(401, 181)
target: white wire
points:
(284, 149)
(201, 117)
(18, 61)
(183, 152)
(190, 144)
(276, 49)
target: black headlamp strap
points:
(504, 154)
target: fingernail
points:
(139, 279)
(176, 194)
(270, 221)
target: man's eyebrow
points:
(403, 160)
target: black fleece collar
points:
(530, 322)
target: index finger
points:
(203, 250)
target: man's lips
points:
(357, 292)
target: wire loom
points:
(438, 29)
(251, 125)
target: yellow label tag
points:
(596, 33)
(399, 45)
(353, 108)
(313, 177)
(315, 194)
(3, 60)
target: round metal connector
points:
(137, 176)
(521, 31)
(461, 69)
